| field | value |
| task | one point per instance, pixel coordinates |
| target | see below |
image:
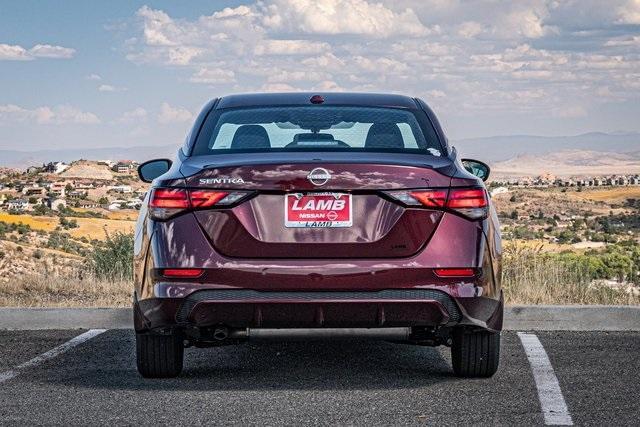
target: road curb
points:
(519, 318)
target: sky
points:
(79, 74)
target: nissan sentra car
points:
(314, 211)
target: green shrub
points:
(113, 258)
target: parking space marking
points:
(554, 408)
(54, 352)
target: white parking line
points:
(12, 373)
(554, 408)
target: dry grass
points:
(612, 194)
(531, 277)
(91, 228)
(38, 290)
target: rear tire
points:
(475, 354)
(159, 356)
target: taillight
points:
(182, 272)
(430, 198)
(470, 202)
(167, 202)
(455, 272)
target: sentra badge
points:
(222, 180)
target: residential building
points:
(18, 205)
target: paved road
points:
(359, 382)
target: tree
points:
(619, 265)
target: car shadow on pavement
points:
(109, 362)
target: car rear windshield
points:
(317, 128)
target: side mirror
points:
(477, 168)
(148, 171)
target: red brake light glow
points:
(455, 272)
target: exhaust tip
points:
(221, 333)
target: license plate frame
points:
(327, 217)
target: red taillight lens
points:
(206, 198)
(172, 198)
(431, 198)
(167, 202)
(455, 272)
(470, 202)
(467, 198)
(182, 272)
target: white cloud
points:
(340, 17)
(278, 87)
(94, 77)
(14, 53)
(629, 12)
(48, 51)
(469, 29)
(58, 115)
(501, 56)
(136, 115)
(291, 47)
(19, 53)
(213, 76)
(624, 41)
(169, 114)
(110, 88)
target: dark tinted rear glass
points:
(317, 128)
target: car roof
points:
(330, 98)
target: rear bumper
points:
(316, 309)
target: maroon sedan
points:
(309, 211)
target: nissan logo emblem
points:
(319, 176)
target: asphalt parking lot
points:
(320, 382)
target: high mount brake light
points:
(470, 202)
(167, 202)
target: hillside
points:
(87, 169)
(568, 163)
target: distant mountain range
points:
(516, 154)
(23, 159)
(500, 148)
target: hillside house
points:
(125, 166)
(57, 189)
(18, 205)
(55, 203)
(87, 204)
(76, 194)
(124, 189)
(35, 190)
(55, 167)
